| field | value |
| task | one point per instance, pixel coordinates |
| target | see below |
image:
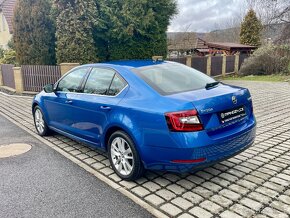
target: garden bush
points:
(1, 53)
(9, 57)
(267, 60)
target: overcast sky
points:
(206, 15)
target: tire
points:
(124, 157)
(39, 123)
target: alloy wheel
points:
(39, 122)
(122, 156)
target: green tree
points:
(133, 29)
(75, 22)
(251, 28)
(99, 30)
(34, 32)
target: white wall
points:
(5, 36)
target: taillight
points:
(251, 105)
(183, 121)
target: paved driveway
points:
(253, 183)
(43, 183)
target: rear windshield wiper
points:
(211, 85)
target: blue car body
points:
(139, 110)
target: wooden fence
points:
(37, 76)
(8, 75)
(181, 60)
(32, 78)
(230, 64)
(199, 63)
(216, 66)
(213, 65)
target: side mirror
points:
(48, 88)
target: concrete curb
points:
(109, 182)
(16, 96)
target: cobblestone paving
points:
(254, 183)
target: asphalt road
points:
(43, 183)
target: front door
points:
(60, 107)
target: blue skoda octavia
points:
(155, 115)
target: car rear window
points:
(171, 78)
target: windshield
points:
(170, 78)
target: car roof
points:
(129, 63)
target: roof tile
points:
(8, 11)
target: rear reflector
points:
(183, 121)
(190, 161)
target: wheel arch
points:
(37, 103)
(113, 128)
(34, 104)
(109, 132)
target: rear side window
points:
(99, 81)
(103, 81)
(171, 78)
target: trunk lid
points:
(219, 106)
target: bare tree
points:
(251, 3)
(275, 13)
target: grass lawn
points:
(266, 78)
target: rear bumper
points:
(160, 158)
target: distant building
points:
(6, 21)
(222, 48)
(180, 44)
(201, 47)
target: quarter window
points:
(99, 81)
(117, 85)
(72, 81)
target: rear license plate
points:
(229, 115)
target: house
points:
(182, 43)
(229, 48)
(201, 47)
(6, 21)
(204, 48)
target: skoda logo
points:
(234, 100)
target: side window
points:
(99, 81)
(72, 81)
(117, 85)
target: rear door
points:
(102, 91)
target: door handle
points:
(105, 108)
(68, 101)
